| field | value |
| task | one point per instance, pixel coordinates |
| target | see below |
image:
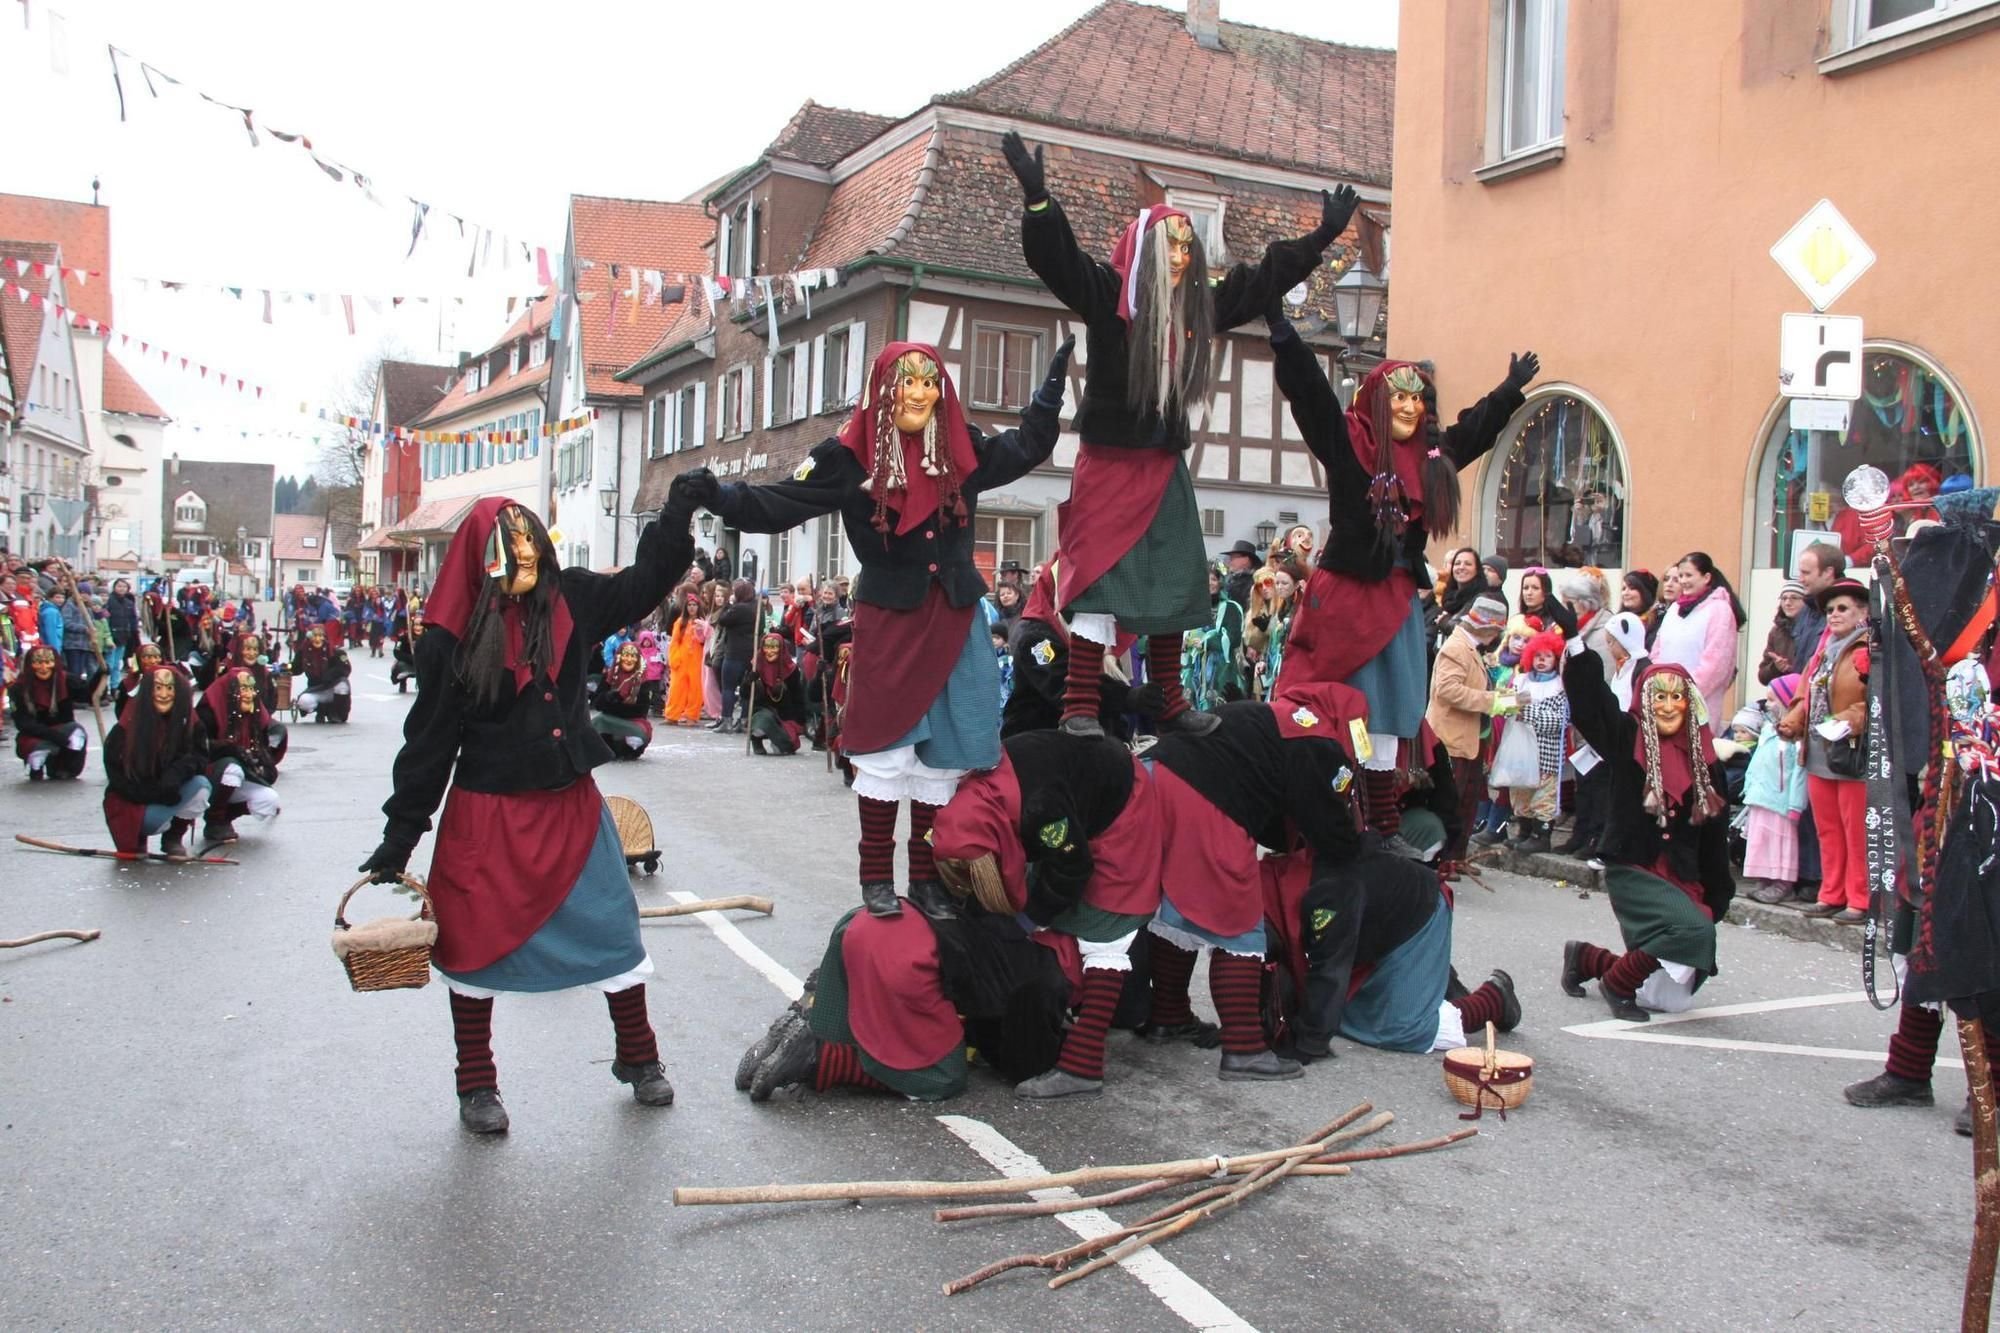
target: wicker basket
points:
(1495, 1078)
(386, 969)
(283, 689)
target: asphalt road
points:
(204, 1127)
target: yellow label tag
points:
(1364, 749)
(805, 469)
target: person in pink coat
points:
(1698, 632)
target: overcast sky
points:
(496, 111)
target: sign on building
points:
(1819, 356)
(1823, 254)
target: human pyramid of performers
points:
(1053, 877)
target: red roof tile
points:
(644, 234)
(865, 209)
(821, 135)
(1131, 69)
(123, 394)
(288, 542)
(21, 321)
(535, 319)
(84, 233)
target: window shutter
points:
(700, 410)
(750, 240)
(723, 243)
(721, 389)
(857, 361)
(770, 362)
(801, 372)
(816, 373)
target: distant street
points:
(206, 1128)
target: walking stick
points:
(825, 707)
(756, 656)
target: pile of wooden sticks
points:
(1318, 1154)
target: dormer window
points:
(538, 351)
(738, 248)
(514, 359)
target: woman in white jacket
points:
(1698, 633)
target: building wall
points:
(520, 478)
(1638, 265)
(129, 511)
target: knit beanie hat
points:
(1785, 689)
(1792, 585)
(1496, 563)
(1486, 612)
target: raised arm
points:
(1593, 709)
(825, 480)
(1314, 407)
(1083, 284)
(602, 603)
(1017, 451)
(1245, 292)
(1470, 437)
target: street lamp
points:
(707, 525)
(608, 498)
(1357, 305)
(1267, 531)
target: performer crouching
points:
(1666, 840)
(778, 714)
(1067, 833)
(620, 702)
(328, 694)
(51, 741)
(153, 760)
(245, 747)
(528, 876)
(136, 674)
(906, 473)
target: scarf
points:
(943, 449)
(1125, 255)
(771, 676)
(1672, 770)
(458, 585)
(1042, 601)
(245, 730)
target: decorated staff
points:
(906, 473)
(1131, 530)
(153, 763)
(1391, 484)
(528, 882)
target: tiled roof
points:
(821, 135)
(1129, 69)
(123, 394)
(411, 388)
(289, 541)
(535, 319)
(645, 234)
(21, 321)
(84, 233)
(238, 495)
(865, 209)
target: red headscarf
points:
(1370, 406)
(772, 675)
(237, 727)
(1042, 599)
(984, 816)
(1125, 256)
(1676, 770)
(456, 591)
(43, 695)
(920, 497)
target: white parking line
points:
(1613, 1029)
(1194, 1303)
(739, 944)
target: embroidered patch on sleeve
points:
(1305, 717)
(1055, 835)
(805, 469)
(1043, 652)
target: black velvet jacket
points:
(1090, 288)
(1041, 670)
(1072, 789)
(1262, 778)
(43, 724)
(1350, 542)
(164, 787)
(1696, 853)
(896, 571)
(790, 703)
(537, 739)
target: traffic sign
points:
(1823, 254)
(1819, 356)
(1821, 414)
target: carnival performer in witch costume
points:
(1067, 832)
(403, 663)
(134, 683)
(1666, 839)
(906, 473)
(329, 694)
(1135, 560)
(153, 761)
(1041, 669)
(528, 876)
(51, 741)
(245, 747)
(778, 718)
(620, 702)
(1391, 484)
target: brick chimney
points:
(1204, 22)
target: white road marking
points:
(1194, 1303)
(1614, 1029)
(739, 944)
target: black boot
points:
(648, 1082)
(1887, 1089)
(1510, 1003)
(932, 899)
(1623, 1006)
(1534, 836)
(1572, 973)
(879, 897)
(1088, 728)
(1581, 840)
(173, 841)
(1263, 1067)
(481, 1112)
(218, 831)
(795, 1060)
(1193, 722)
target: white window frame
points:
(1000, 543)
(689, 434)
(1208, 212)
(1214, 522)
(852, 368)
(1861, 32)
(1549, 91)
(538, 351)
(514, 359)
(781, 558)
(746, 229)
(832, 546)
(1035, 359)
(732, 416)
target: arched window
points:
(1554, 489)
(1911, 421)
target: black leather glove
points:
(387, 863)
(698, 489)
(1522, 369)
(1056, 382)
(1149, 699)
(1028, 167)
(1335, 210)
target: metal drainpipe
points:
(618, 483)
(903, 302)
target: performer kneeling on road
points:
(906, 473)
(620, 702)
(1666, 840)
(51, 740)
(528, 875)
(245, 748)
(328, 694)
(153, 760)
(778, 715)
(1067, 832)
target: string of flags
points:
(76, 319)
(401, 435)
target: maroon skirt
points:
(503, 864)
(1209, 865)
(899, 663)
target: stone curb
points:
(1572, 873)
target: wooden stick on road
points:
(743, 901)
(85, 935)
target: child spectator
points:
(1774, 795)
(1530, 758)
(1461, 703)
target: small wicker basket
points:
(1495, 1078)
(368, 969)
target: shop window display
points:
(1557, 495)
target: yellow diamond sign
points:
(1823, 254)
